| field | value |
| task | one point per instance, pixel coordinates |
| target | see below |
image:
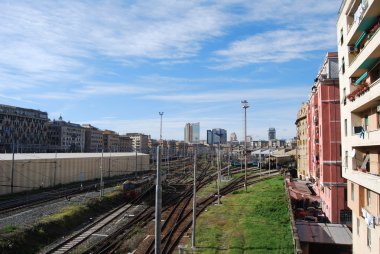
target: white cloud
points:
(276, 46)
(232, 95)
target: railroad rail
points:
(80, 236)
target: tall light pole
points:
(158, 203)
(245, 105)
(194, 200)
(161, 114)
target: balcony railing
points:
(363, 83)
(364, 40)
(358, 14)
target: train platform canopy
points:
(46, 156)
(324, 233)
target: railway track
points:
(177, 222)
(186, 221)
(80, 236)
(141, 219)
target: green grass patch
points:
(8, 229)
(49, 228)
(252, 222)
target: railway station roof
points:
(47, 156)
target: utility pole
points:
(269, 161)
(157, 223)
(245, 106)
(218, 162)
(161, 114)
(13, 163)
(136, 162)
(55, 168)
(194, 200)
(158, 203)
(101, 176)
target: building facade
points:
(302, 140)
(65, 136)
(93, 139)
(325, 140)
(192, 133)
(216, 136)
(271, 133)
(125, 144)
(140, 142)
(359, 52)
(22, 130)
(111, 141)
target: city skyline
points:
(115, 66)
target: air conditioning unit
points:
(378, 108)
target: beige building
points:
(111, 141)
(302, 141)
(359, 58)
(139, 142)
(65, 136)
(93, 138)
(23, 129)
(125, 144)
(33, 171)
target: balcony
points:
(366, 179)
(366, 37)
(360, 16)
(365, 90)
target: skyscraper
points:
(271, 134)
(191, 132)
(215, 136)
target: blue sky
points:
(116, 64)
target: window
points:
(343, 66)
(357, 226)
(344, 96)
(352, 191)
(345, 127)
(368, 198)
(346, 159)
(366, 121)
(378, 119)
(369, 237)
(341, 36)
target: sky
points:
(117, 64)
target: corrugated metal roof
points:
(45, 156)
(324, 233)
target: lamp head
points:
(244, 104)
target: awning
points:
(360, 39)
(361, 78)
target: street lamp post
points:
(194, 200)
(161, 114)
(158, 202)
(245, 105)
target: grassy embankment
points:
(34, 237)
(252, 222)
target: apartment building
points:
(139, 142)
(111, 141)
(125, 143)
(302, 141)
(324, 138)
(65, 136)
(23, 129)
(359, 58)
(93, 138)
